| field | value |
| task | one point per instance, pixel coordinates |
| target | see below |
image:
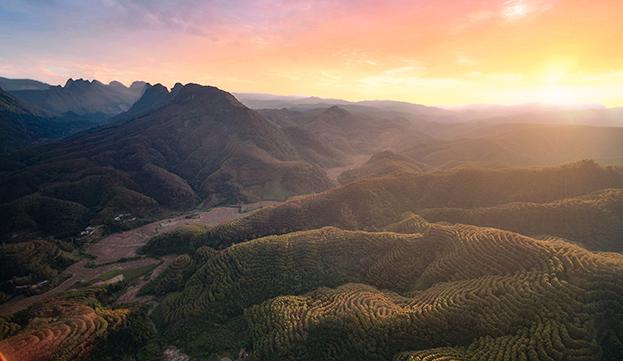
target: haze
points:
(431, 52)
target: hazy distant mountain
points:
(22, 125)
(590, 114)
(270, 101)
(419, 112)
(493, 110)
(202, 146)
(330, 135)
(10, 104)
(22, 84)
(84, 97)
(594, 114)
(521, 144)
(14, 117)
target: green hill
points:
(375, 202)
(593, 220)
(450, 289)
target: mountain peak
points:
(203, 96)
(156, 87)
(69, 82)
(334, 110)
(138, 84)
(117, 84)
(81, 83)
(176, 88)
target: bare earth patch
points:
(125, 244)
(111, 249)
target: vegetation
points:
(380, 165)
(441, 290)
(593, 220)
(24, 124)
(375, 202)
(66, 328)
(202, 146)
(172, 279)
(401, 262)
(123, 341)
(26, 267)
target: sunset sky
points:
(439, 52)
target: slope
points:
(22, 124)
(374, 202)
(593, 220)
(385, 163)
(453, 291)
(332, 135)
(203, 146)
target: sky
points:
(441, 52)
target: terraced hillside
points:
(593, 220)
(399, 262)
(448, 292)
(371, 203)
(27, 267)
(66, 328)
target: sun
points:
(558, 95)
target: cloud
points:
(465, 60)
(513, 10)
(510, 10)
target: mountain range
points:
(23, 125)
(84, 97)
(22, 84)
(130, 227)
(588, 114)
(33, 112)
(201, 147)
(195, 146)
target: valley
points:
(269, 180)
(190, 225)
(118, 251)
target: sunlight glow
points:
(559, 95)
(444, 52)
